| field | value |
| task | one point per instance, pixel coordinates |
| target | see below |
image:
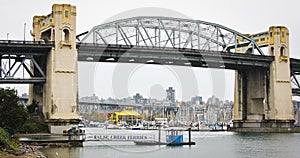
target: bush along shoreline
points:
(18, 118)
(10, 147)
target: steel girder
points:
(295, 76)
(23, 61)
(295, 83)
(21, 69)
(165, 32)
(295, 79)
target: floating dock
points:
(173, 138)
(163, 143)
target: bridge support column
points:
(250, 92)
(59, 94)
(263, 99)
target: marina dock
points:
(174, 137)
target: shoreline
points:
(24, 151)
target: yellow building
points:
(125, 115)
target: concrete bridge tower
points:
(263, 97)
(59, 94)
(280, 107)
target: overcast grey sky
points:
(244, 16)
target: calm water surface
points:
(208, 144)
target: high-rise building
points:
(137, 98)
(171, 95)
(196, 100)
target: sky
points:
(122, 80)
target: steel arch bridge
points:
(152, 32)
(163, 32)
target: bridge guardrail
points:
(49, 43)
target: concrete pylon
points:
(263, 98)
(280, 107)
(59, 95)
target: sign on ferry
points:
(126, 137)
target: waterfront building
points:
(128, 116)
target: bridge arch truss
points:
(295, 76)
(169, 32)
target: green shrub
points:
(34, 126)
(6, 142)
(4, 138)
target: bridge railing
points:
(48, 43)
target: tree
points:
(32, 107)
(12, 114)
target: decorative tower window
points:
(282, 51)
(65, 35)
(65, 38)
(272, 51)
(66, 13)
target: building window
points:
(270, 34)
(282, 34)
(65, 35)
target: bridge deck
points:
(25, 47)
(170, 56)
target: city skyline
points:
(138, 96)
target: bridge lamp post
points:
(24, 31)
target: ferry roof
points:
(175, 129)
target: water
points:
(208, 144)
